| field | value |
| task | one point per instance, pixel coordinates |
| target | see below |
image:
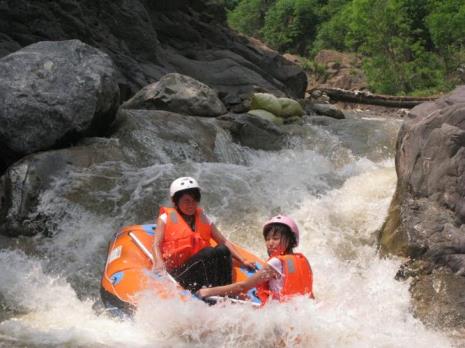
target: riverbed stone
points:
(52, 94)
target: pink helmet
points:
(285, 220)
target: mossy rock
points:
(290, 108)
(266, 101)
(266, 115)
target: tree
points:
(291, 24)
(446, 24)
(248, 16)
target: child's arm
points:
(263, 275)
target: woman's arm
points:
(220, 239)
(263, 275)
(158, 263)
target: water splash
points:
(339, 200)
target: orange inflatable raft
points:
(128, 271)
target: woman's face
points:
(276, 244)
(187, 204)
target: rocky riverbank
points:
(427, 214)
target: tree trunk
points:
(363, 97)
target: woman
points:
(182, 241)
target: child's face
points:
(275, 243)
(187, 204)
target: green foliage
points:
(332, 33)
(446, 24)
(231, 4)
(248, 16)
(408, 46)
(290, 24)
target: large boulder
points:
(36, 191)
(427, 214)
(155, 136)
(53, 93)
(180, 94)
(23, 185)
(148, 39)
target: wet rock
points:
(254, 132)
(53, 93)
(426, 218)
(325, 110)
(268, 116)
(438, 299)
(100, 174)
(24, 183)
(180, 94)
(155, 136)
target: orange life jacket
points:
(298, 279)
(180, 242)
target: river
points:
(336, 179)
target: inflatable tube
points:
(128, 271)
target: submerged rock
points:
(427, 214)
(53, 93)
(180, 94)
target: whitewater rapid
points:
(336, 188)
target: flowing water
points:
(336, 180)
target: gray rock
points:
(180, 94)
(438, 299)
(325, 110)
(24, 183)
(148, 39)
(153, 136)
(53, 93)
(143, 142)
(254, 132)
(427, 215)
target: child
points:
(182, 241)
(285, 274)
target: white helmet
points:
(181, 184)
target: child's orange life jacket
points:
(180, 242)
(298, 279)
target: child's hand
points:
(202, 293)
(250, 265)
